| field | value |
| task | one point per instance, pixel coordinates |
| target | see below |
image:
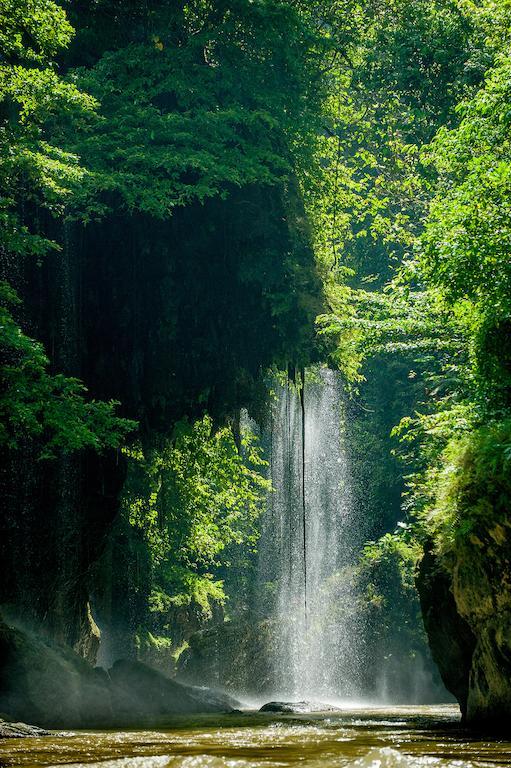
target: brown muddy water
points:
(383, 737)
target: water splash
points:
(309, 542)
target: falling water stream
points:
(310, 537)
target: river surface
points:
(397, 737)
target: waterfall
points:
(309, 542)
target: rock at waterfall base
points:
(144, 692)
(53, 687)
(217, 656)
(19, 730)
(297, 707)
(467, 615)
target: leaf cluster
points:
(51, 409)
(196, 498)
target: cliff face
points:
(217, 657)
(465, 586)
(481, 588)
(170, 318)
(450, 637)
(467, 615)
(166, 262)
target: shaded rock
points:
(283, 706)
(482, 591)
(450, 638)
(19, 730)
(218, 656)
(466, 605)
(296, 707)
(53, 687)
(89, 637)
(140, 691)
(215, 698)
(473, 541)
(43, 683)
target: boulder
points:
(43, 683)
(296, 707)
(451, 640)
(284, 707)
(466, 605)
(216, 698)
(19, 730)
(217, 657)
(140, 691)
(54, 687)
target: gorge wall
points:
(467, 612)
(156, 233)
(171, 320)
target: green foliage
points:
(212, 142)
(195, 499)
(406, 67)
(419, 192)
(35, 173)
(34, 404)
(155, 650)
(468, 234)
(34, 104)
(145, 641)
(231, 103)
(390, 607)
(464, 258)
(185, 246)
(470, 492)
(34, 30)
(413, 222)
(387, 568)
(397, 321)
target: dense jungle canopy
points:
(199, 199)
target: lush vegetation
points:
(192, 193)
(35, 172)
(155, 232)
(52, 408)
(423, 203)
(195, 503)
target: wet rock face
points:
(144, 692)
(56, 518)
(48, 685)
(467, 614)
(450, 637)
(89, 638)
(285, 707)
(218, 657)
(482, 590)
(297, 707)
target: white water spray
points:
(309, 543)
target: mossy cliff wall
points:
(467, 614)
(180, 264)
(464, 579)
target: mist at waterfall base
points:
(311, 539)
